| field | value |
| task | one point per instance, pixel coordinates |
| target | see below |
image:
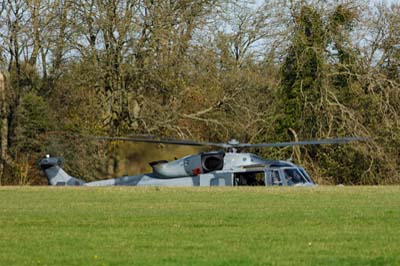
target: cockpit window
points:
(293, 176)
(306, 175)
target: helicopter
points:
(227, 167)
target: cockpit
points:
(288, 176)
(274, 176)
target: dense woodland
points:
(205, 70)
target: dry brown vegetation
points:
(204, 70)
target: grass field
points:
(200, 226)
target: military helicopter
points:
(216, 168)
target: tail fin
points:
(57, 176)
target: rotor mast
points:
(232, 144)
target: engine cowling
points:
(212, 161)
(192, 165)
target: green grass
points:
(200, 226)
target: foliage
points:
(303, 76)
(33, 118)
(205, 70)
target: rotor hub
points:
(233, 142)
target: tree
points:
(3, 126)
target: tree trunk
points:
(35, 6)
(3, 126)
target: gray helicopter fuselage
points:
(204, 169)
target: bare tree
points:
(3, 126)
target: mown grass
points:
(200, 226)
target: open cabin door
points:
(249, 178)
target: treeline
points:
(203, 70)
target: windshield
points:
(306, 175)
(294, 176)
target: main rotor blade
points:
(164, 141)
(153, 139)
(298, 143)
